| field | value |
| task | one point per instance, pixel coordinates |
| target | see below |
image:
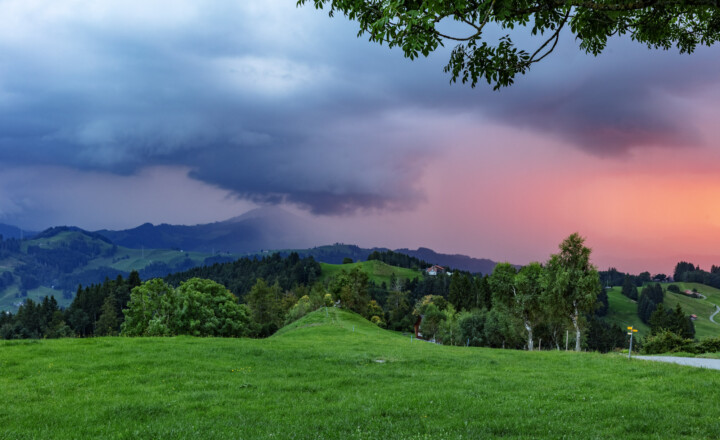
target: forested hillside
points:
(54, 262)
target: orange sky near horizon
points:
(520, 194)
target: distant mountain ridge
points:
(9, 231)
(254, 231)
(270, 229)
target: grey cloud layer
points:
(275, 103)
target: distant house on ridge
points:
(434, 270)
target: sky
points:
(117, 113)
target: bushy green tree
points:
(376, 314)
(265, 307)
(472, 328)
(501, 330)
(463, 291)
(197, 307)
(352, 289)
(629, 289)
(432, 318)
(300, 309)
(108, 324)
(603, 337)
(145, 305)
(206, 308)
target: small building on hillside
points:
(434, 270)
(693, 317)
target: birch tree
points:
(521, 293)
(571, 282)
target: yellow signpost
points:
(632, 330)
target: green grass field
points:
(378, 271)
(335, 376)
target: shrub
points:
(667, 342)
(711, 345)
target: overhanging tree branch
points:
(412, 25)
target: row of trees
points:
(688, 272)
(511, 307)
(96, 310)
(564, 290)
(240, 275)
(672, 320)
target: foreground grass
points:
(333, 375)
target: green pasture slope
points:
(378, 271)
(623, 311)
(333, 375)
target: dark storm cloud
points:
(278, 104)
(245, 96)
(628, 98)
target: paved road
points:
(712, 317)
(713, 364)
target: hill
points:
(623, 311)
(271, 229)
(9, 231)
(333, 375)
(55, 261)
(377, 271)
(334, 254)
(254, 231)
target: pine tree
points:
(629, 289)
(108, 324)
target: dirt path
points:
(712, 317)
(713, 364)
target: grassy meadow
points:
(334, 375)
(623, 312)
(378, 271)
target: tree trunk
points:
(575, 318)
(530, 339)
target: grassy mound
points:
(334, 375)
